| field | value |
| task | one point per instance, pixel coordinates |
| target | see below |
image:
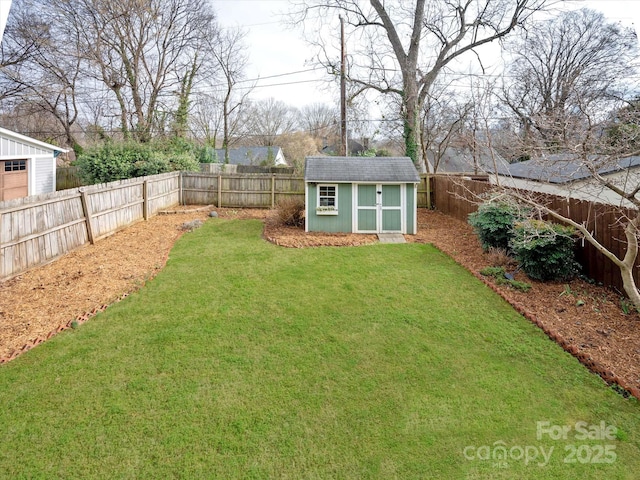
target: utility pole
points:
(343, 92)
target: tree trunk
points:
(411, 117)
(629, 285)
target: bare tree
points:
(319, 120)
(270, 118)
(40, 70)
(229, 51)
(296, 146)
(145, 53)
(607, 172)
(441, 123)
(563, 68)
(405, 48)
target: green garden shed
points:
(361, 195)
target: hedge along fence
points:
(36, 230)
(458, 197)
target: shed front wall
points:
(345, 221)
(340, 223)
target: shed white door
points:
(379, 208)
(14, 179)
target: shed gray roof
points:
(561, 168)
(360, 169)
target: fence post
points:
(87, 214)
(180, 187)
(273, 190)
(145, 199)
(219, 191)
(428, 178)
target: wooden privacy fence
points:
(35, 230)
(458, 197)
(68, 177)
(239, 190)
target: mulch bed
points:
(585, 319)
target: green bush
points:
(184, 162)
(153, 164)
(109, 162)
(545, 250)
(494, 222)
(117, 161)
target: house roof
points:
(360, 169)
(249, 155)
(463, 160)
(563, 168)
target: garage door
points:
(14, 181)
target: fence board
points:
(239, 190)
(37, 229)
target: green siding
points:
(343, 222)
(367, 195)
(331, 223)
(411, 209)
(367, 220)
(391, 196)
(391, 220)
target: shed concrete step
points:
(391, 238)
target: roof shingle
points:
(360, 169)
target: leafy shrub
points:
(117, 161)
(545, 250)
(290, 212)
(493, 223)
(153, 164)
(110, 162)
(184, 162)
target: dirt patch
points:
(586, 319)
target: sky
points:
(276, 51)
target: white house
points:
(253, 156)
(27, 165)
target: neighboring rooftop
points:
(360, 169)
(463, 160)
(563, 168)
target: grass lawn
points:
(247, 360)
